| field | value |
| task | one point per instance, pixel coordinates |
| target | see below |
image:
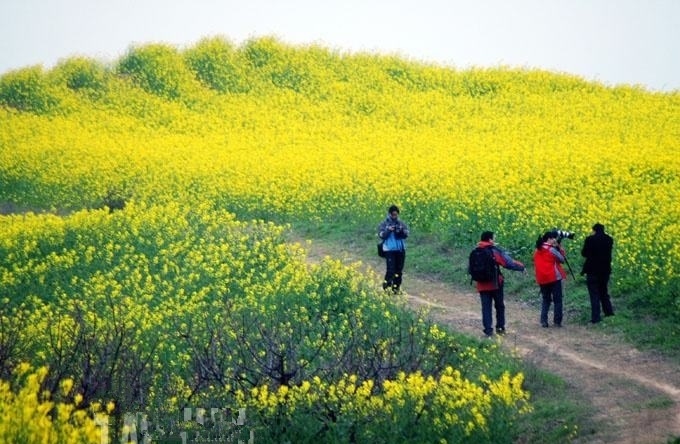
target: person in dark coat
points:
(597, 249)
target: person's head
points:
(549, 237)
(598, 228)
(393, 211)
(486, 236)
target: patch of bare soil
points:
(636, 394)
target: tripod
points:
(569, 267)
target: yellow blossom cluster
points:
(27, 413)
(424, 408)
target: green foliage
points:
(83, 75)
(218, 66)
(280, 65)
(158, 69)
(262, 52)
(28, 90)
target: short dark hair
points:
(486, 236)
(392, 209)
(550, 235)
(547, 235)
(598, 228)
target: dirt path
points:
(637, 394)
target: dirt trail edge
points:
(636, 393)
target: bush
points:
(157, 69)
(278, 64)
(82, 75)
(216, 65)
(27, 90)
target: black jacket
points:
(597, 249)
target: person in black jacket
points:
(597, 249)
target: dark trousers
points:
(394, 264)
(599, 296)
(488, 298)
(551, 293)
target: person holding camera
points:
(393, 233)
(491, 292)
(548, 259)
(597, 249)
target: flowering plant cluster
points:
(158, 307)
(29, 414)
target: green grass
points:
(558, 416)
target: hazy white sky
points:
(611, 41)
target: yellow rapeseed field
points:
(314, 135)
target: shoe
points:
(606, 315)
(544, 324)
(500, 331)
(558, 325)
(595, 321)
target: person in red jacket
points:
(492, 292)
(548, 259)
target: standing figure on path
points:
(597, 249)
(548, 259)
(491, 291)
(393, 232)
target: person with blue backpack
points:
(393, 233)
(484, 268)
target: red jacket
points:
(504, 260)
(548, 265)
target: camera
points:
(562, 234)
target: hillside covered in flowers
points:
(208, 150)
